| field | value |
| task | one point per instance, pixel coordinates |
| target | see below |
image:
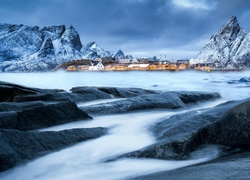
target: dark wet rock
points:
(240, 81)
(227, 124)
(18, 106)
(235, 166)
(9, 91)
(195, 97)
(16, 93)
(51, 97)
(126, 92)
(165, 100)
(91, 93)
(94, 93)
(44, 116)
(20, 146)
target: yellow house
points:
(186, 62)
(120, 68)
(182, 66)
(133, 67)
(152, 67)
(144, 67)
(83, 67)
(109, 68)
(71, 68)
(173, 67)
(163, 67)
(204, 67)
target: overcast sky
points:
(175, 28)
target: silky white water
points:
(127, 132)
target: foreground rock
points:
(164, 100)
(227, 124)
(19, 146)
(240, 81)
(109, 92)
(235, 166)
(41, 116)
(16, 93)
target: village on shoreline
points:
(142, 64)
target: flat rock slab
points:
(42, 116)
(20, 146)
(235, 166)
(108, 92)
(164, 100)
(16, 93)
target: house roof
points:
(182, 61)
(140, 65)
(95, 63)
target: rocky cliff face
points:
(32, 48)
(119, 55)
(93, 51)
(228, 48)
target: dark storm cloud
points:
(177, 28)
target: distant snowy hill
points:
(228, 48)
(34, 49)
(119, 55)
(93, 51)
(31, 48)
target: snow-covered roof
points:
(140, 65)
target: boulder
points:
(126, 92)
(240, 81)
(164, 100)
(51, 97)
(18, 106)
(227, 124)
(20, 146)
(234, 166)
(43, 116)
(91, 93)
(95, 93)
(16, 93)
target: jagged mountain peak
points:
(34, 48)
(92, 51)
(228, 48)
(231, 28)
(119, 54)
(90, 45)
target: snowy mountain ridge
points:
(119, 54)
(93, 51)
(34, 49)
(229, 48)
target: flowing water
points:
(127, 132)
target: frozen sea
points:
(128, 132)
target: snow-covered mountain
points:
(32, 48)
(93, 51)
(119, 55)
(228, 48)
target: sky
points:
(177, 29)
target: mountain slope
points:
(31, 48)
(119, 55)
(35, 49)
(228, 48)
(93, 51)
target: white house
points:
(96, 66)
